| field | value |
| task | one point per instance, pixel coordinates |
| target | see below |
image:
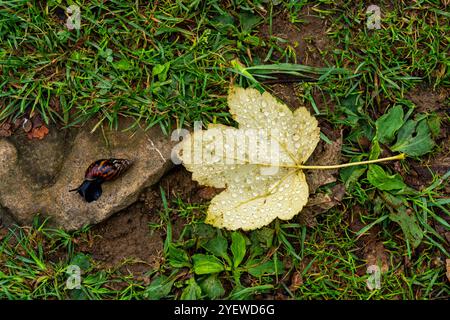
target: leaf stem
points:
(400, 156)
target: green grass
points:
(170, 64)
(35, 263)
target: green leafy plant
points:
(413, 136)
(218, 257)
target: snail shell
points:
(98, 172)
(106, 169)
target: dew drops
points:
(254, 198)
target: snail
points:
(98, 172)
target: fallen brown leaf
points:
(296, 281)
(325, 154)
(447, 236)
(5, 130)
(54, 103)
(369, 246)
(319, 203)
(38, 133)
(375, 254)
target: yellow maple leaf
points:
(259, 164)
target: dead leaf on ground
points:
(320, 203)
(421, 175)
(325, 154)
(375, 254)
(5, 130)
(55, 103)
(447, 236)
(296, 281)
(370, 249)
(38, 133)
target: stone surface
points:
(36, 176)
(45, 157)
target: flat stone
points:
(36, 176)
(45, 157)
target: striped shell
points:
(106, 169)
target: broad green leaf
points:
(192, 291)
(238, 248)
(388, 124)
(224, 22)
(351, 174)
(261, 183)
(206, 264)
(159, 288)
(393, 201)
(252, 40)
(123, 65)
(383, 181)
(264, 235)
(259, 269)
(82, 260)
(256, 250)
(409, 225)
(248, 21)
(202, 230)
(78, 294)
(161, 70)
(242, 293)
(414, 138)
(217, 246)
(212, 287)
(434, 123)
(178, 258)
(375, 151)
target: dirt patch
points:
(127, 237)
(178, 183)
(428, 100)
(127, 241)
(308, 39)
(289, 94)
